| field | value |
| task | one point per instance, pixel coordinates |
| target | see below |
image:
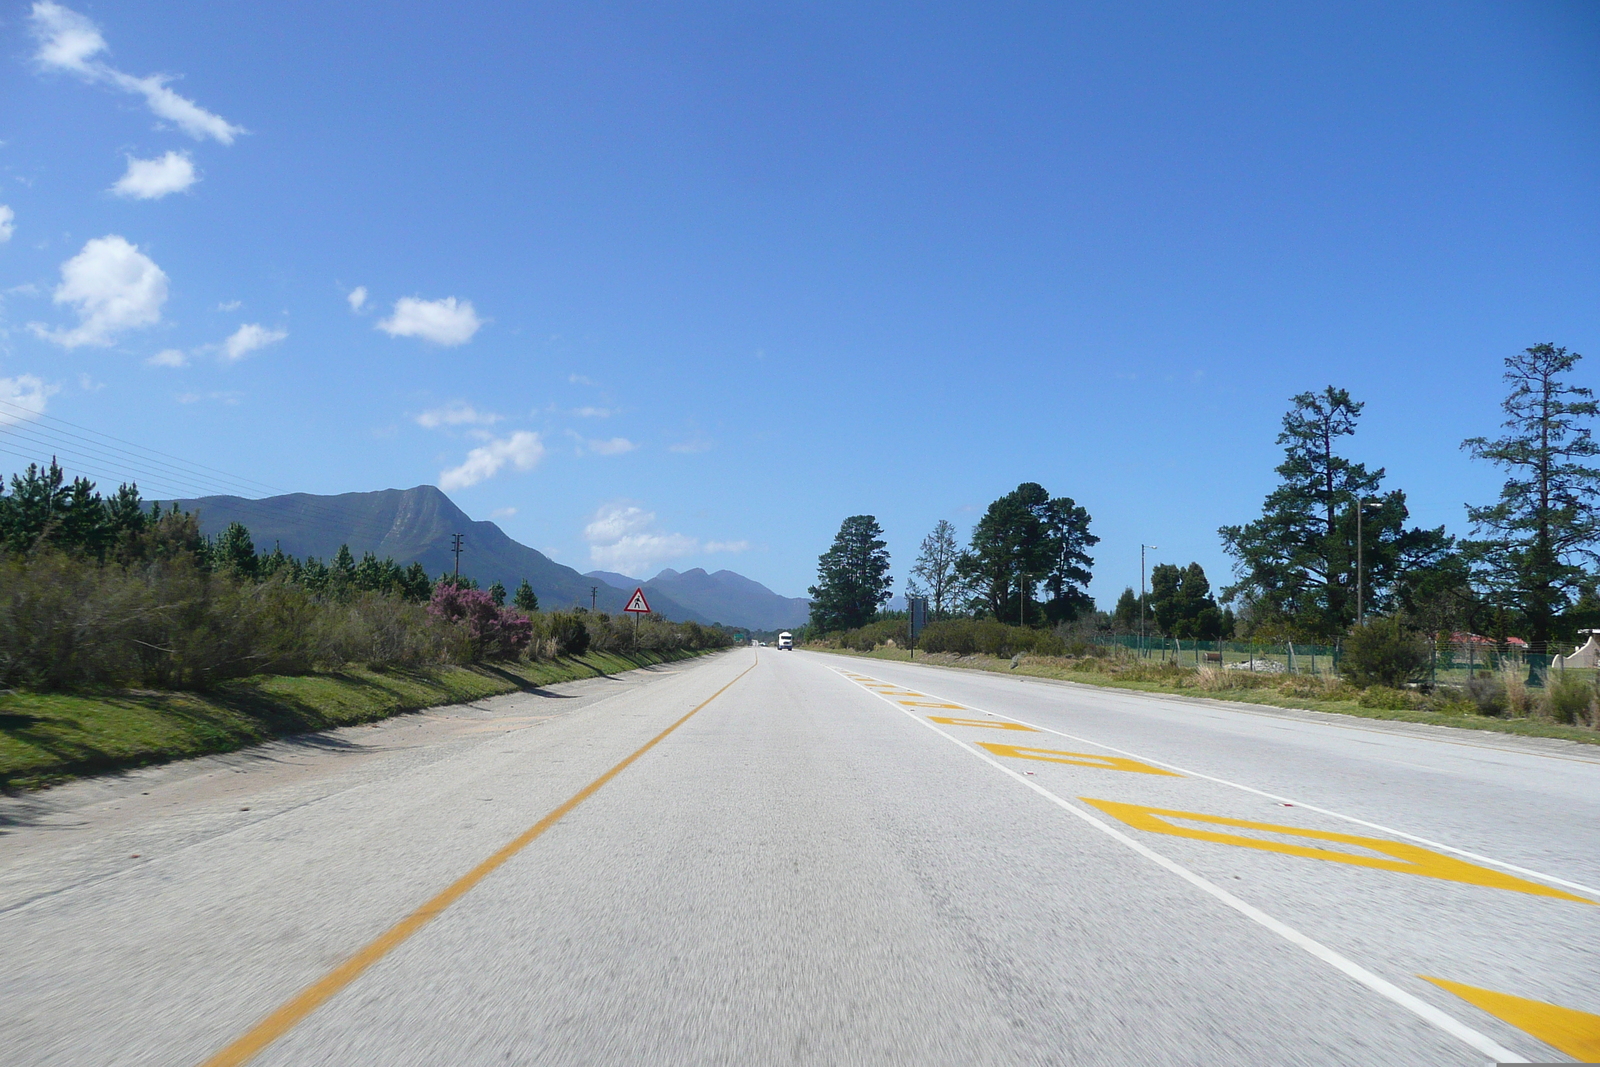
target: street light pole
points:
(1141, 594)
(1361, 608)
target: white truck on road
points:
(786, 641)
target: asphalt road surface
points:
(773, 857)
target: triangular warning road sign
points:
(638, 603)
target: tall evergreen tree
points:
(1296, 564)
(524, 598)
(1181, 602)
(1025, 538)
(1531, 545)
(1125, 616)
(852, 577)
(233, 552)
(497, 593)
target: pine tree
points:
(1181, 603)
(497, 593)
(1296, 564)
(1027, 537)
(524, 599)
(1532, 544)
(233, 552)
(1125, 616)
(852, 577)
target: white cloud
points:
(22, 399)
(151, 179)
(444, 322)
(357, 298)
(230, 305)
(622, 537)
(169, 357)
(690, 447)
(249, 338)
(522, 450)
(578, 379)
(113, 287)
(616, 446)
(456, 413)
(69, 41)
(593, 413)
(8, 223)
(230, 398)
(727, 546)
(66, 39)
(502, 513)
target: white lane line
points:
(1475, 857)
(1418, 1007)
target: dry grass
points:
(1303, 692)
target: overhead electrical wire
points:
(105, 459)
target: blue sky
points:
(686, 285)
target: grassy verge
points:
(50, 737)
(1067, 670)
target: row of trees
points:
(1526, 568)
(1333, 542)
(1026, 544)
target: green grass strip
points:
(1040, 668)
(50, 737)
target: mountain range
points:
(723, 595)
(416, 525)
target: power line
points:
(108, 462)
(39, 423)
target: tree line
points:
(108, 591)
(1027, 562)
(1332, 544)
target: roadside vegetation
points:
(1499, 702)
(127, 637)
(1331, 562)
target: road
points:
(765, 857)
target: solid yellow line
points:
(309, 999)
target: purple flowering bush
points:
(494, 632)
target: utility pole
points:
(1361, 507)
(1141, 595)
(594, 597)
(457, 541)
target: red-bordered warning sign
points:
(638, 604)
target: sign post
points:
(637, 605)
(916, 619)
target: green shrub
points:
(1488, 695)
(1383, 652)
(966, 637)
(1571, 699)
(1389, 699)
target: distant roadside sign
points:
(917, 610)
(638, 604)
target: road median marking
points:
(1441, 1020)
(1577, 1033)
(1076, 759)
(290, 1014)
(982, 724)
(1186, 772)
(1401, 857)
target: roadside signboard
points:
(637, 603)
(917, 610)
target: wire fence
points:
(1452, 663)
